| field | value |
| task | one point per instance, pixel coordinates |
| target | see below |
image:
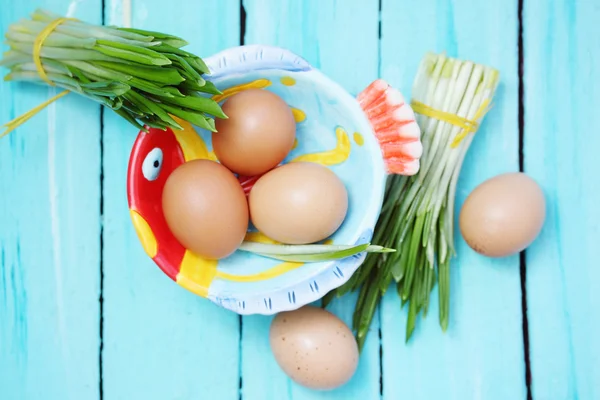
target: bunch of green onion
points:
(143, 76)
(417, 217)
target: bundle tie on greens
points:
(37, 59)
(468, 125)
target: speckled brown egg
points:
(314, 347)
(503, 215)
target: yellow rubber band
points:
(467, 125)
(15, 123)
(39, 41)
(37, 59)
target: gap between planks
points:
(101, 298)
(522, 256)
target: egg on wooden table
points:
(298, 203)
(258, 133)
(205, 208)
(314, 347)
(503, 215)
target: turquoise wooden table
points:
(84, 314)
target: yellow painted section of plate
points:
(196, 273)
(338, 155)
(144, 233)
(288, 81)
(192, 144)
(259, 237)
(257, 84)
(299, 115)
(271, 273)
(358, 139)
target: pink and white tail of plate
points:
(394, 124)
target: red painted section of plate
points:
(144, 194)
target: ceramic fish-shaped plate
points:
(362, 140)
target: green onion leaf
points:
(165, 76)
(132, 55)
(172, 40)
(202, 104)
(190, 116)
(309, 253)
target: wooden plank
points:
(161, 341)
(49, 236)
(481, 355)
(562, 60)
(342, 41)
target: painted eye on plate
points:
(152, 164)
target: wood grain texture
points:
(341, 39)
(562, 60)
(49, 237)
(161, 341)
(481, 354)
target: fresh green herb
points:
(417, 216)
(143, 76)
(310, 252)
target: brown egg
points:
(298, 203)
(258, 134)
(314, 347)
(503, 215)
(205, 208)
